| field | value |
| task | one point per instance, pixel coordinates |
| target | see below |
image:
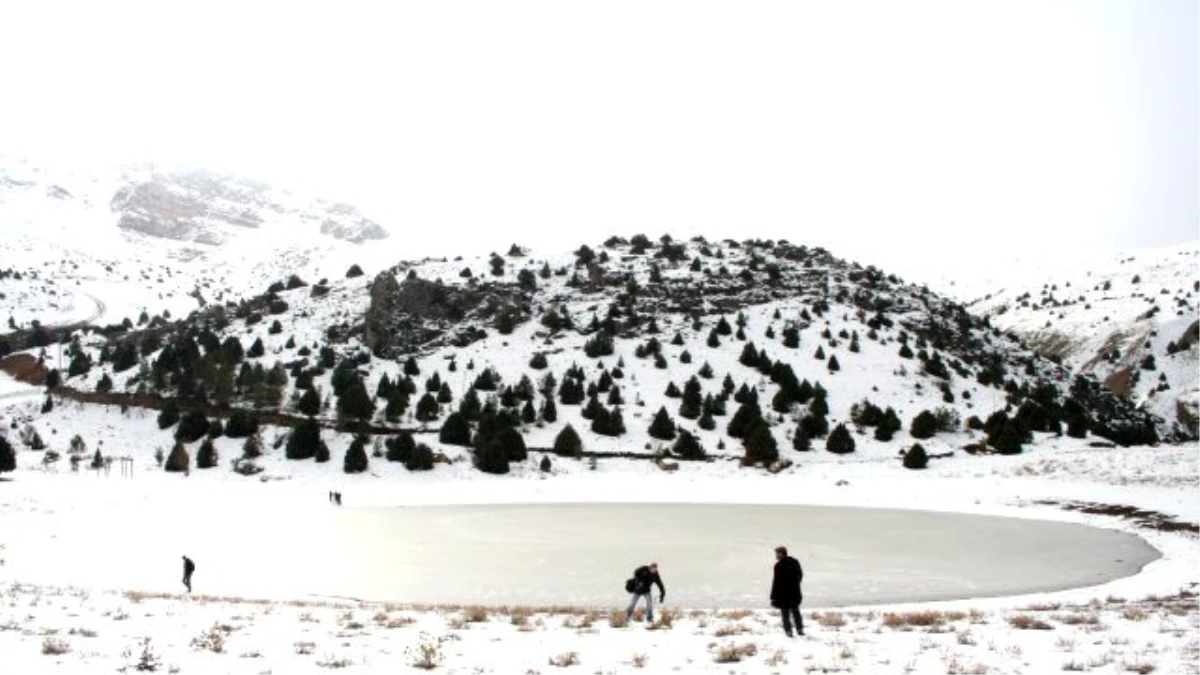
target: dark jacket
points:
(188, 566)
(785, 589)
(643, 579)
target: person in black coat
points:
(188, 568)
(643, 578)
(785, 590)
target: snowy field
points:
(51, 621)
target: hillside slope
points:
(760, 351)
(1130, 321)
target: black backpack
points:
(630, 585)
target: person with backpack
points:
(785, 590)
(639, 586)
(188, 568)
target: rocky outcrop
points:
(343, 221)
(405, 317)
(203, 208)
(194, 207)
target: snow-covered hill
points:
(102, 244)
(1130, 320)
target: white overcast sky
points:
(870, 128)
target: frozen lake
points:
(580, 554)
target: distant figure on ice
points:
(337, 498)
(643, 578)
(785, 590)
(188, 568)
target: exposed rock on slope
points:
(406, 317)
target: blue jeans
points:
(649, 605)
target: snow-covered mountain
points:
(159, 240)
(1129, 320)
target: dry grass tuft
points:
(1027, 622)
(638, 660)
(733, 653)
(830, 619)
(617, 619)
(925, 619)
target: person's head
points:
(780, 552)
(654, 567)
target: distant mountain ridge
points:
(187, 206)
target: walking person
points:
(188, 568)
(785, 590)
(639, 586)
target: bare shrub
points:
(305, 647)
(1077, 619)
(55, 646)
(830, 619)
(733, 653)
(211, 640)
(565, 659)
(1134, 614)
(617, 619)
(1027, 622)
(730, 629)
(475, 614)
(924, 618)
(427, 654)
(638, 660)
(333, 662)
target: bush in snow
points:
(915, 457)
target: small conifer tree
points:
(840, 441)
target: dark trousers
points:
(790, 615)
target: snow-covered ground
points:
(1148, 622)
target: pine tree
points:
(178, 461)
(192, 427)
(549, 410)
(356, 456)
(687, 447)
(399, 447)
(662, 428)
(800, 440)
(252, 447)
(427, 408)
(302, 442)
(747, 416)
(8, 456)
(169, 415)
(206, 457)
(840, 441)
(256, 349)
(455, 430)
(567, 443)
(354, 403)
(888, 425)
(309, 403)
(923, 426)
(421, 458)
(492, 457)
(760, 445)
(915, 457)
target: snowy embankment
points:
(1144, 623)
